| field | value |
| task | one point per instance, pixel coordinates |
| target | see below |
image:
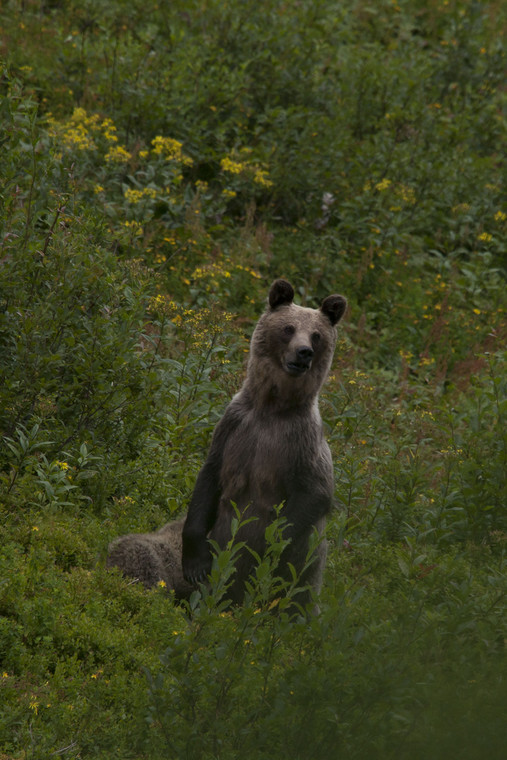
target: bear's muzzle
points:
(302, 361)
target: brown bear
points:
(268, 449)
(152, 557)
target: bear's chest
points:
(263, 457)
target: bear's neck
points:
(276, 392)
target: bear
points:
(268, 449)
(152, 557)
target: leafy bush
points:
(159, 169)
(367, 678)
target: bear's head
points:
(292, 346)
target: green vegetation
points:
(160, 164)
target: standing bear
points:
(267, 450)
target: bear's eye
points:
(289, 330)
(315, 337)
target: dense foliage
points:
(160, 163)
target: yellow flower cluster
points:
(34, 705)
(257, 173)
(220, 270)
(202, 326)
(407, 194)
(199, 327)
(171, 150)
(135, 227)
(109, 130)
(402, 192)
(233, 167)
(81, 131)
(137, 196)
(383, 184)
(78, 138)
(117, 155)
(249, 271)
(163, 305)
(261, 177)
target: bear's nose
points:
(304, 354)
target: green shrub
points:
(159, 168)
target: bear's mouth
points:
(298, 368)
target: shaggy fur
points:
(152, 557)
(269, 448)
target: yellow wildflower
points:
(34, 705)
(170, 149)
(109, 129)
(383, 184)
(78, 137)
(261, 178)
(233, 167)
(132, 195)
(407, 194)
(117, 155)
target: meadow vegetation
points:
(161, 163)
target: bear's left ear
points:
(334, 308)
(280, 292)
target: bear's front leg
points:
(202, 513)
(303, 510)
(196, 559)
(203, 508)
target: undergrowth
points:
(159, 168)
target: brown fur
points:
(269, 448)
(152, 557)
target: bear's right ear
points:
(280, 292)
